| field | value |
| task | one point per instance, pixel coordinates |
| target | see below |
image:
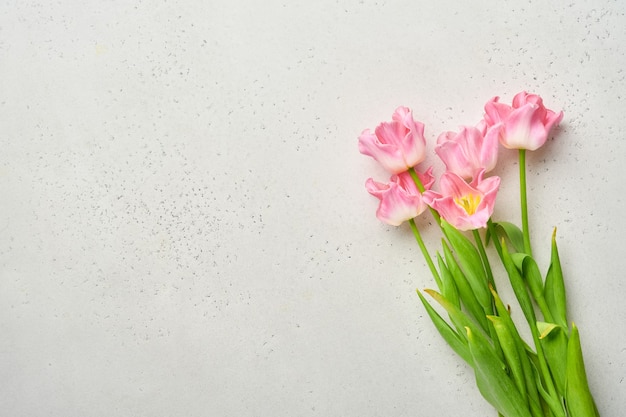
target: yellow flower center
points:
(469, 203)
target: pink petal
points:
(396, 145)
(454, 158)
(454, 186)
(496, 112)
(524, 129)
(389, 156)
(399, 199)
(490, 145)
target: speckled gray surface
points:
(184, 227)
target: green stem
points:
(421, 189)
(417, 180)
(523, 201)
(427, 258)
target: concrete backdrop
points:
(184, 229)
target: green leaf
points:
(524, 354)
(465, 291)
(457, 342)
(492, 380)
(460, 318)
(554, 290)
(578, 398)
(552, 406)
(532, 276)
(531, 273)
(554, 342)
(448, 287)
(471, 264)
(513, 234)
(519, 288)
(508, 343)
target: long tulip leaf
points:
(524, 354)
(448, 289)
(577, 395)
(457, 343)
(554, 290)
(492, 380)
(532, 276)
(513, 234)
(459, 317)
(466, 294)
(554, 342)
(508, 343)
(519, 288)
(471, 264)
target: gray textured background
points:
(184, 226)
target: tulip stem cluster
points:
(547, 379)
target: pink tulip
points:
(470, 150)
(465, 206)
(397, 145)
(400, 199)
(527, 123)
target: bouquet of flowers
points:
(544, 377)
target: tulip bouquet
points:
(543, 377)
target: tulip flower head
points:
(400, 200)
(526, 124)
(397, 145)
(470, 150)
(465, 206)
